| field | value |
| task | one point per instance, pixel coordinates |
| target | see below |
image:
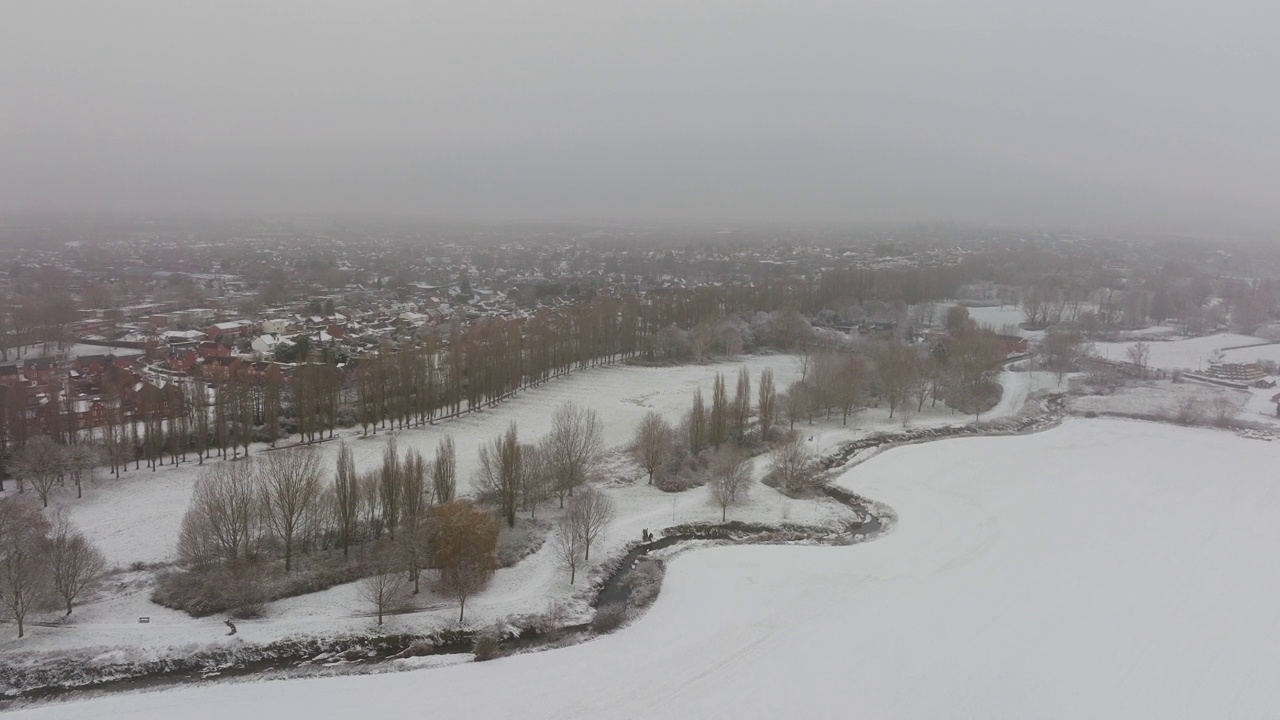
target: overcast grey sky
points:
(1160, 114)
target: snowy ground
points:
(1191, 354)
(1253, 354)
(137, 518)
(1162, 397)
(1103, 569)
(1001, 318)
(73, 350)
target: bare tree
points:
(535, 479)
(795, 404)
(444, 471)
(718, 424)
(925, 383)
(24, 563)
(700, 341)
(465, 545)
(1189, 410)
(767, 402)
(1139, 354)
(791, 462)
(414, 540)
(389, 486)
(568, 546)
(696, 424)
(501, 472)
(76, 564)
(1061, 351)
(730, 479)
(370, 504)
(385, 588)
(221, 520)
(573, 447)
(590, 513)
(43, 462)
(81, 459)
(850, 378)
(740, 410)
(973, 361)
(290, 481)
(346, 499)
(653, 443)
(895, 366)
(1224, 408)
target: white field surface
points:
(1162, 397)
(1191, 354)
(1002, 316)
(72, 350)
(1102, 569)
(137, 518)
(999, 318)
(1254, 354)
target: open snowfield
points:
(137, 518)
(1161, 398)
(73, 350)
(1190, 354)
(1103, 569)
(1253, 354)
(999, 318)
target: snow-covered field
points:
(137, 517)
(1162, 397)
(73, 350)
(1253, 354)
(1154, 397)
(999, 318)
(1190, 354)
(1103, 569)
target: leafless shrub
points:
(1187, 411)
(791, 465)
(609, 618)
(487, 645)
(1223, 409)
(645, 581)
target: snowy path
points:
(1100, 569)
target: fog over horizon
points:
(1151, 115)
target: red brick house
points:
(212, 350)
(41, 371)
